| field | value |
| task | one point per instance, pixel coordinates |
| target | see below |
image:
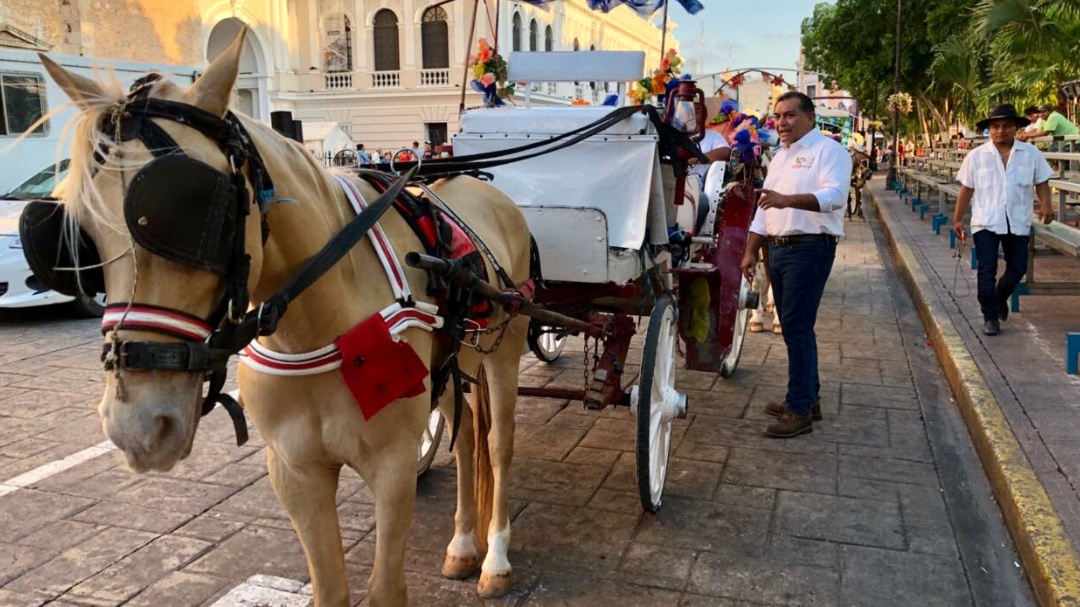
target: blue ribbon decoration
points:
(645, 8)
(491, 96)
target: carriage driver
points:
(716, 149)
(800, 216)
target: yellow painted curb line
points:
(1051, 562)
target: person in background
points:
(1053, 123)
(418, 152)
(362, 157)
(1035, 118)
(996, 181)
(715, 148)
(799, 215)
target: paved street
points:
(1024, 366)
(884, 504)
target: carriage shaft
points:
(459, 276)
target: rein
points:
(671, 140)
(208, 344)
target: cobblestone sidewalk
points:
(853, 514)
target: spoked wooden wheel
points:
(545, 344)
(747, 300)
(429, 442)
(656, 404)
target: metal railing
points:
(386, 80)
(435, 77)
(338, 81)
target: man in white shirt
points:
(996, 181)
(800, 215)
(715, 148)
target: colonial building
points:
(389, 72)
(812, 86)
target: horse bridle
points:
(205, 344)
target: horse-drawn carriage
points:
(617, 241)
(186, 216)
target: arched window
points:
(549, 38)
(534, 36)
(516, 32)
(337, 49)
(434, 38)
(386, 41)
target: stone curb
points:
(1051, 563)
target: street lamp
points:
(891, 176)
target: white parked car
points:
(19, 288)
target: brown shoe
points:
(789, 425)
(775, 409)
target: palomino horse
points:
(312, 424)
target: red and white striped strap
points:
(394, 272)
(143, 317)
(328, 358)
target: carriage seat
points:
(548, 121)
(620, 67)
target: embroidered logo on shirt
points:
(803, 162)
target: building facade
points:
(811, 84)
(390, 72)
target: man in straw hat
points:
(996, 183)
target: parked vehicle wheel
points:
(429, 442)
(656, 403)
(546, 345)
(89, 307)
(742, 319)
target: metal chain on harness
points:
(476, 334)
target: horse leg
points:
(502, 397)
(391, 474)
(463, 552)
(761, 285)
(308, 495)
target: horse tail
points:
(485, 474)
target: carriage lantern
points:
(686, 109)
(686, 112)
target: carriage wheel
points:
(656, 403)
(742, 318)
(547, 346)
(429, 442)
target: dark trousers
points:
(991, 293)
(798, 273)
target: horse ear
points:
(80, 89)
(213, 90)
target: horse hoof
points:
(460, 567)
(493, 585)
(776, 329)
(756, 327)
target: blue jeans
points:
(991, 293)
(798, 273)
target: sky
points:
(741, 34)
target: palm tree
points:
(1031, 46)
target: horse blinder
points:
(185, 211)
(49, 252)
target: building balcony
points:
(390, 79)
(338, 81)
(435, 77)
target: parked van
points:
(27, 93)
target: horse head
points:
(166, 185)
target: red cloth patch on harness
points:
(377, 368)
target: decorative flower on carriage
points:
(660, 80)
(901, 102)
(489, 75)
